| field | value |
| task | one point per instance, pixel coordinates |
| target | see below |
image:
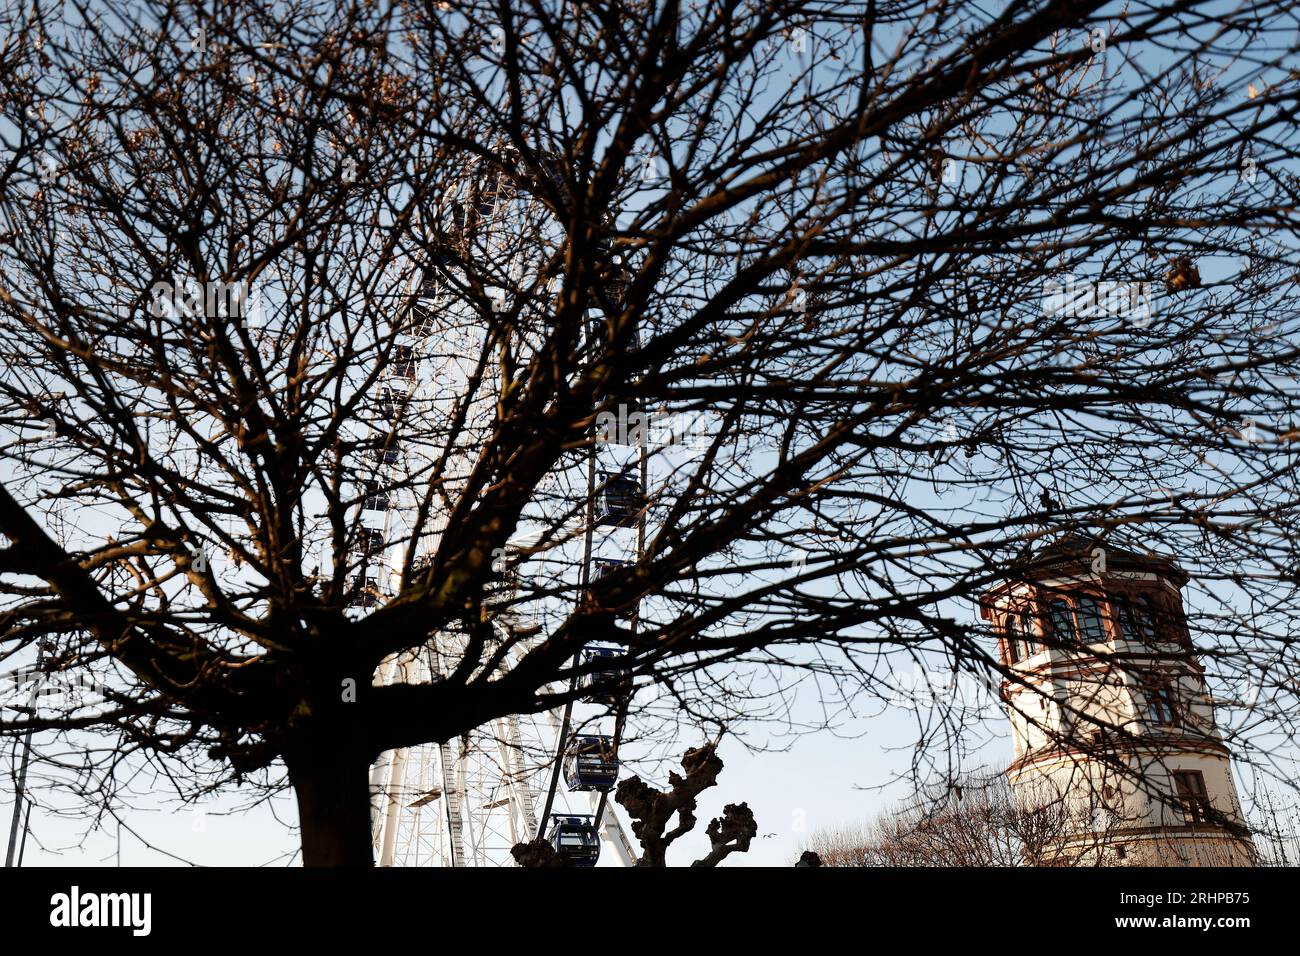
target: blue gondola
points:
(603, 566)
(434, 276)
(617, 277)
(575, 840)
(370, 542)
(367, 591)
(403, 363)
(458, 223)
(620, 500)
(608, 684)
(503, 585)
(590, 763)
(421, 322)
(430, 282)
(375, 499)
(553, 173)
(599, 568)
(485, 202)
(596, 330)
(391, 404)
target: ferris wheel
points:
(468, 801)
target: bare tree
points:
(813, 257)
(984, 822)
(1275, 825)
(981, 823)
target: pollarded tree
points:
(823, 246)
(661, 817)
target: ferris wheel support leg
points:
(394, 813)
(453, 791)
(612, 832)
(523, 819)
(377, 774)
(397, 768)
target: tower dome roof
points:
(1075, 547)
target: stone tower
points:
(1112, 723)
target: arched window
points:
(1094, 632)
(1028, 646)
(1162, 706)
(1062, 620)
(1135, 619)
(1150, 610)
(1013, 638)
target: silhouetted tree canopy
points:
(891, 292)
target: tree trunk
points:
(333, 792)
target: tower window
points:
(1094, 632)
(1028, 646)
(1019, 638)
(1062, 620)
(1135, 619)
(1189, 785)
(1162, 710)
(1013, 638)
(1150, 617)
